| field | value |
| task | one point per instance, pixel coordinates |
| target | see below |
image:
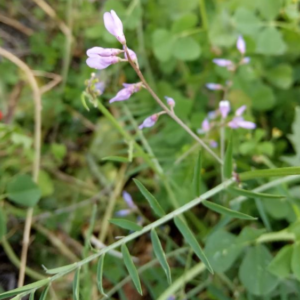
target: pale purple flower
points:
(149, 122)
(123, 212)
(103, 52)
(170, 101)
(128, 199)
(213, 144)
(239, 122)
(114, 26)
(224, 108)
(214, 86)
(241, 45)
(221, 62)
(124, 94)
(205, 127)
(100, 87)
(101, 62)
(240, 110)
(245, 60)
(172, 297)
(132, 54)
(212, 115)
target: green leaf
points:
(263, 97)
(45, 184)
(100, 274)
(162, 42)
(45, 292)
(22, 190)
(269, 9)
(160, 254)
(64, 269)
(186, 22)
(246, 21)
(253, 271)
(151, 199)
(32, 295)
(2, 223)
(296, 260)
(250, 194)
(270, 42)
(131, 269)
(281, 76)
(186, 49)
(226, 211)
(197, 175)
(270, 173)
(222, 250)
(191, 240)
(116, 158)
(281, 263)
(126, 224)
(228, 161)
(25, 288)
(76, 284)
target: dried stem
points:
(168, 111)
(37, 151)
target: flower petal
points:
(240, 110)
(224, 108)
(128, 199)
(170, 101)
(223, 62)
(241, 45)
(149, 122)
(109, 23)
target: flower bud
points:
(114, 26)
(149, 122)
(224, 108)
(241, 45)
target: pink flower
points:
(240, 110)
(241, 45)
(213, 144)
(245, 60)
(101, 62)
(170, 101)
(124, 94)
(223, 62)
(214, 86)
(149, 122)
(132, 54)
(239, 122)
(205, 127)
(224, 108)
(95, 51)
(114, 26)
(128, 199)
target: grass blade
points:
(76, 284)
(160, 254)
(131, 269)
(250, 194)
(116, 158)
(228, 161)
(197, 175)
(32, 295)
(190, 238)
(44, 293)
(150, 198)
(226, 211)
(126, 224)
(100, 275)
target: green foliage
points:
(228, 159)
(281, 264)
(100, 274)
(126, 224)
(22, 190)
(2, 224)
(197, 175)
(76, 283)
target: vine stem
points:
(168, 111)
(37, 151)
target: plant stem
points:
(37, 151)
(168, 111)
(203, 14)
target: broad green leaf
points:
(22, 190)
(222, 250)
(246, 21)
(228, 161)
(45, 184)
(253, 271)
(25, 288)
(262, 213)
(131, 269)
(249, 235)
(263, 97)
(100, 274)
(45, 292)
(116, 158)
(266, 173)
(160, 254)
(270, 42)
(197, 175)
(63, 269)
(186, 22)
(281, 264)
(281, 76)
(151, 199)
(269, 9)
(278, 208)
(191, 240)
(250, 194)
(226, 211)
(162, 42)
(186, 49)
(296, 260)
(2, 223)
(126, 224)
(76, 284)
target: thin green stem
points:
(203, 14)
(170, 112)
